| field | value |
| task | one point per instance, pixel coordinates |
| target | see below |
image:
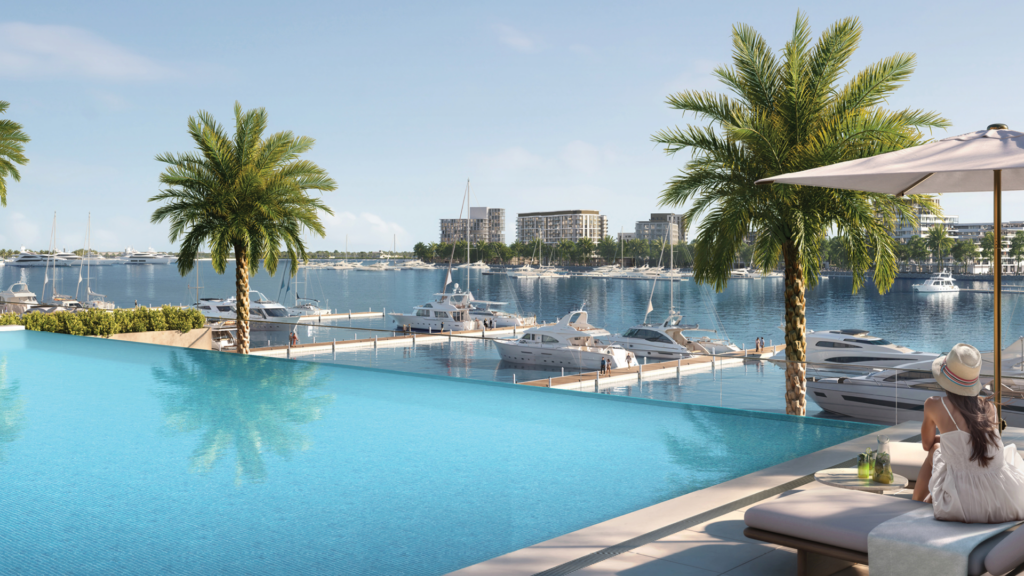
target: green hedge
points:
(105, 322)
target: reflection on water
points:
(12, 409)
(252, 407)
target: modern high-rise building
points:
(662, 226)
(485, 224)
(553, 227)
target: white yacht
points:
(447, 312)
(835, 353)
(475, 266)
(898, 394)
(664, 341)
(264, 313)
(131, 256)
(97, 259)
(417, 265)
(563, 344)
(18, 294)
(485, 312)
(941, 282)
(378, 267)
(29, 259)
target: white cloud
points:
(517, 40)
(365, 231)
(577, 159)
(45, 50)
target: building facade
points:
(485, 224)
(662, 226)
(975, 232)
(553, 227)
(905, 230)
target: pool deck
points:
(697, 534)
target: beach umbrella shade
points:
(991, 159)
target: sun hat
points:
(958, 372)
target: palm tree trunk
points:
(796, 327)
(242, 299)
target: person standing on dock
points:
(604, 365)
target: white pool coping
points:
(12, 328)
(575, 545)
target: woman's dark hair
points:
(980, 425)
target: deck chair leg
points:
(814, 564)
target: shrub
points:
(104, 323)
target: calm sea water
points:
(746, 310)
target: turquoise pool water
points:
(129, 458)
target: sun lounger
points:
(829, 529)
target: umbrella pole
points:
(997, 253)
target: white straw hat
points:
(958, 372)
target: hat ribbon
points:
(956, 379)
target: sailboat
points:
(57, 301)
(345, 264)
(92, 299)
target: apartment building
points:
(905, 229)
(485, 224)
(662, 226)
(553, 227)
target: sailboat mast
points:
(469, 220)
(671, 271)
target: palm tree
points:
(787, 114)
(585, 249)
(939, 242)
(246, 195)
(608, 249)
(12, 151)
(1017, 248)
(518, 248)
(566, 250)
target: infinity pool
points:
(129, 458)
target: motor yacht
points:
(663, 341)
(17, 298)
(898, 394)
(29, 259)
(264, 313)
(475, 266)
(563, 344)
(131, 256)
(940, 283)
(486, 312)
(448, 312)
(417, 265)
(837, 353)
(378, 267)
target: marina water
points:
(746, 310)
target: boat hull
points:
(426, 324)
(575, 358)
(643, 348)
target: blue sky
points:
(544, 106)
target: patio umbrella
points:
(991, 159)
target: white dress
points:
(965, 491)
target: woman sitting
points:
(969, 476)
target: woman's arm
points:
(928, 436)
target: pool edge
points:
(576, 545)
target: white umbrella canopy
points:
(991, 159)
(957, 164)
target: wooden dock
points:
(589, 381)
(350, 315)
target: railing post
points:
(679, 366)
(288, 353)
(597, 383)
(640, 373)
(374, 341)
(513, 377)
(413, 338)
(549, 381)
(334, 348)
(449, 336)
